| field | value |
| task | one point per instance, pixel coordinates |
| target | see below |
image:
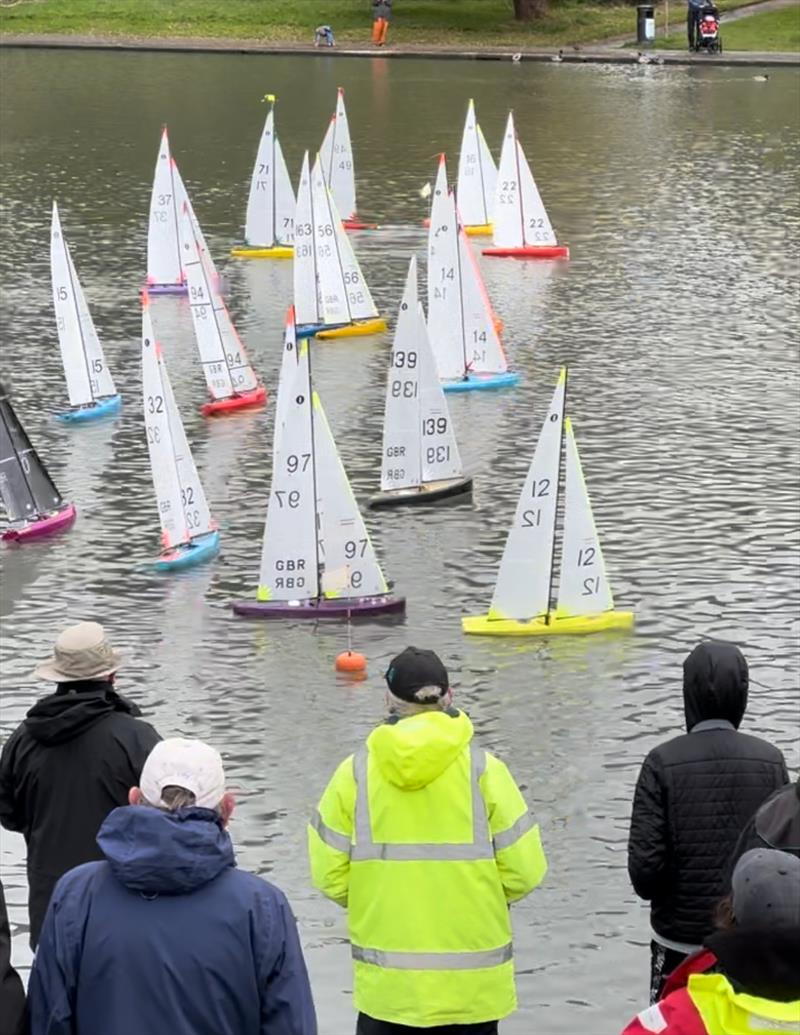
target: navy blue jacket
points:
(167, 937)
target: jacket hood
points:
(165, 853)
(70, 713)
(715, 683)
(760, 962)
(413, 752)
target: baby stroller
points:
(708, 35)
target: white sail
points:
(193, 497)
(439, 453)
(523, 581)
(536, 222)
(224, 360)
(482, 348)
(508, 228)
(70, 335)
(359, 298)
(285, 381)
(336, 154)
(350, 566)
(166, 480)
(477, 175)
(289, 553)
(163, 247)
(445, 318)
(583, 587)
(100, 376)
(335, 306)
(401, 466)
(307, 306)
(271, 202)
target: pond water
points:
(677, 191)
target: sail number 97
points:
(295, 462)
(288, 499)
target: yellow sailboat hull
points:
(479, 230)
(355, 330)
(280, 251)
(577, 625)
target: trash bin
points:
(645, 24)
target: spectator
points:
(748, 979)
(71, 761)
(693, 22)
(12, 994)
(776, 824)
(425, 839)
(694, 795)
(167, 936)
(381, 14)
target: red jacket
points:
(676, 1015)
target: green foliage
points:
(768, 31)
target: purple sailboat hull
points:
(337, 607)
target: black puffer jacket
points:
(72, 760)
(695, 795)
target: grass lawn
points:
(466, 23)
(772, 30)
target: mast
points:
(522, 210)
(274, 182)
(460, 288)
(558, 493)
(317, 522)
(175, 210)
(67, 256)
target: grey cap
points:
(766, 889)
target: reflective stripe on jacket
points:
(710, 1006)
(426, 839)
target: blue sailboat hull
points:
(187, 555)
(482, 382)
(102, 408)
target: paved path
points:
(600, 53)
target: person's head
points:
(417, 682)
(181, 773)
(765, 891)
(715, 681)
(81, 653)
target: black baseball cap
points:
(412, 670)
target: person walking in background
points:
(776, 824)
(748, 978)
(694, 796)
(167, 935)
(12, 994)
(425, 839)
(71, 761)
(381, 14)
(693, 21)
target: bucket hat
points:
(80, 652)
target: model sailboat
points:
(89, 382)
(188, 534)
(421, 462)
(331, 297)
(317, 560)
(338, 168)
(231, 380)
(477, 179)
(522, 228)
(269, 227)
(521, 605)
(34, 506)
(461, 324)
(164, 271)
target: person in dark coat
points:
(167, 936)
(776, 824)
(71, 761)
(694, 796)
(12, 994)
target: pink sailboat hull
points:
(43, 526)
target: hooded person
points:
(425, 839)
(71, 761)
(693, 798)
(746, 978)
(167, 935)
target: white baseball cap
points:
(190, 764)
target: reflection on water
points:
(677, 193)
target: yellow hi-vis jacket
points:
(425, 838)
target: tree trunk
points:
(527, 10)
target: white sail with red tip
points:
(336, 155)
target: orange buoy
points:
(350, 661)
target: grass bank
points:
(769, 31)
(456, 23)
